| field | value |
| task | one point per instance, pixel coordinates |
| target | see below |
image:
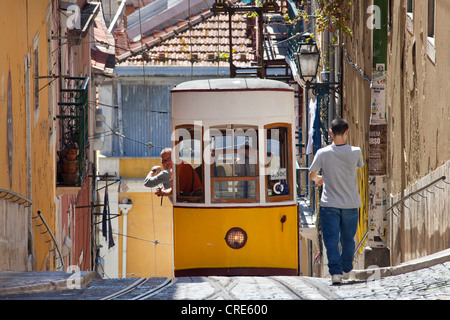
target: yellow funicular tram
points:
(237, 136)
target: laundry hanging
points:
(312, 116)
(106, 222)
(316, 137)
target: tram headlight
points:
(236, 238)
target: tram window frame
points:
(233, 180)
(287, 152)
(198, 197)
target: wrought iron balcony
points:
(73, 131)
(294, 28)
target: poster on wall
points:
(377, 211)
(378, 96)
(378, 223)
(377, 149)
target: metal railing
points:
(14, 197)
(293, 29)
(417, 192)
(73, 121)
(47, 230)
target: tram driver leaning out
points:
(189, 180)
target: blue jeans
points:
(339, 225)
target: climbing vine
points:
(331, 15)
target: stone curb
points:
(51, 284)
(413, 265)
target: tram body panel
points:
(259, 202)
(200, 243)
(231, 103)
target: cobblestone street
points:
(428, 283)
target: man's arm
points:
(316, 177)
(152, 181)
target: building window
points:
(234, 164)
(431, 30)
(278, 163)
(409, 6)
(189, 164)
(410, 16)
(431, 18)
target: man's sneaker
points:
(346, 276)
(336, 278)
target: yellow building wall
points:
(149, 231)
(149, 237)
(22, 22)
(137, 168)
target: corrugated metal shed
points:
(143, 109)
(145, 117)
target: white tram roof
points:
(233, 84)
(233, 101)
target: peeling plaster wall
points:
(418, 106)
(356, 102)
(28, 165)
(418, 97)
(422, 225)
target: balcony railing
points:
(73, 126)
(293, 29)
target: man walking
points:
(340, 198)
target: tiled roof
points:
(102, 53)
(203, 43)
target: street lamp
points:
(308, 57)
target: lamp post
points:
(308, 60)
(308, 57)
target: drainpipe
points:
(125, 206)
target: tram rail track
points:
(222, 291)
(125, 290)
(141, 289)
(152, 292)
(303, 289)
(291, 290)
(320, 288)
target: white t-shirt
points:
(339, 164)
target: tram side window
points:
(278, 168)
(189, 164)
(234, 164)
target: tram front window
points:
(278, 164)
(188, 166)
(234, 165)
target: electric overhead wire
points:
(115, 132)
(148, 135)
